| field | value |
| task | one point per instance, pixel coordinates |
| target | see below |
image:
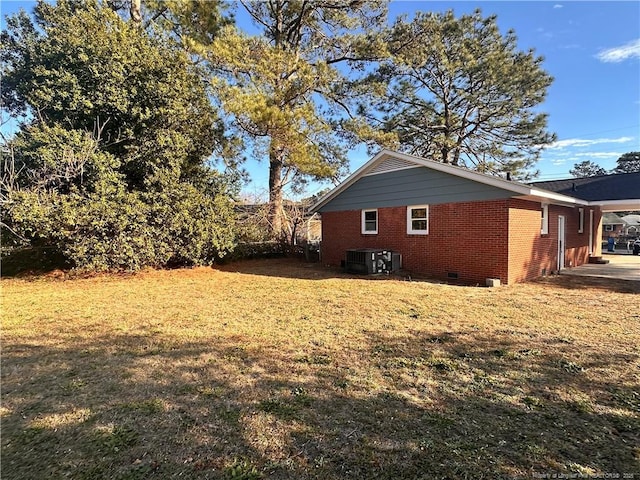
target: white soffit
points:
(617, 205)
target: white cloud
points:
(584, 142)
(619, 54)
(544, 33)
(557, 5)
(558, 161)
(599, 154)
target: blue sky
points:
(592, 49)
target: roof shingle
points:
(621, 186)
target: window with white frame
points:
(418, 220)
(370, 221)
(544, 225)
(580, 220)
(608, 228)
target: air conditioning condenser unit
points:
(372, 260)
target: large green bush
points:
(127, 230)
(112, 166)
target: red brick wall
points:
(469, 239)
(477, 240)
(532, 254)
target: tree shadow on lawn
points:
(459, 405)
(32, 262)
(290, 267)
(297, 268)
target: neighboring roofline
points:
(520, 189)
(578, 180)
(610, 218)
(632, 222)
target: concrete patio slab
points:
(621, 266)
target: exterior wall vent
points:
(391, 164)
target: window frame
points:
(580, 220)
(410, 219)
(610, 228)
(363, 223)
(544, 219)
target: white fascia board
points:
(557, 197)
(539, 197)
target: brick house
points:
(632, 228)
(611, 192)
(612, 226)
(449, 222)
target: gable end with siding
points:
(411, 186)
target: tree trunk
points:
(276, 209)
(444, 151)
(136, 14)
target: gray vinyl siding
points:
(412, 186)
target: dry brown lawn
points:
(277, 369)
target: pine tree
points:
(587, 169)
(284, 89)
(628, 163)
(457, 91)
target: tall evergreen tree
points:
(284, 88)
(458, 91)
(90, 70)
(587, 168)
(111, 164)
(628, 163)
